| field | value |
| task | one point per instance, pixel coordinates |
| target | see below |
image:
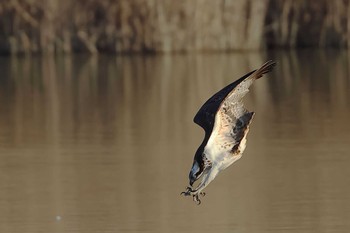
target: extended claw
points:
(196, 199)
(194, 193)
(187, 192)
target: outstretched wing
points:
(232, 120)
(205, 117)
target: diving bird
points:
(226, 123)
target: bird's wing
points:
(232, 119)
(205, 117)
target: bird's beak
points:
(192, 177)
(192, 182)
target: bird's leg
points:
(189, 191)
(198, 191)
(195, 194)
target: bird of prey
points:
(226, 122)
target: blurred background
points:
(97, 100)
(124, 26)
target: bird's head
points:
(196, 172)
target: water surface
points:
(104, 144)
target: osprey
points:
(226, 124)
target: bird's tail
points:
(265, 68)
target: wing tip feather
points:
(265, 68)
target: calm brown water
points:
(104, 144)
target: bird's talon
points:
(188, 191)
(196, 199)
(194, 193)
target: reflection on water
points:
(104, 144)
